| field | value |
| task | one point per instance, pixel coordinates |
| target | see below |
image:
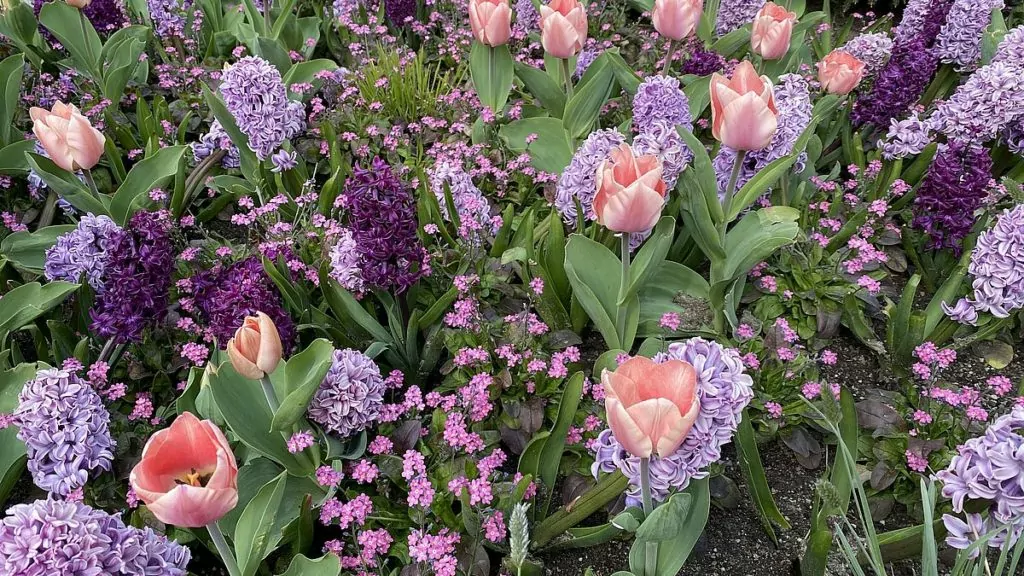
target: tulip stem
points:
(668, 57)
(268, 391)
(92, 183)
(730, 190)
(226, 556)
(49, 210)
(620, 314)
(567, 72)
(651, 548)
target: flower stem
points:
(226, 556)
(107, 347)
(567, 73)
(92, 183)
(729, 191)
(651, 548)
(268, 391)
(620, 314)
(49, 210)
(668, 57)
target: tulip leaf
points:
(255, 536)
(328, 565)
(583, 109)
(67, 185)
(650, 257)
(30, 301)
(12, 450)
(550, 152)
(305, 72)
(74, 31)
(662, 294)
(492, 69)
(698, 92)
(27, 250)
(595, 275)
(683, 516)
(543, 88)
(753, 473)
(756, 237)
(302, 374)
(11, 71)
(145, 176)
(12, 157)
(554, 446)
(759, 184)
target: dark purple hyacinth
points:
(106, 16)
(137, 278)
(955, 186)
(382, 217)
(703, 62)
(226, 295)
(398, 11)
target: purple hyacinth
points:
(984, 105)
(959, 41)
(226, 295)
(871, 49)
(793, 100)
(663, 140)
(49, 537)
(578, 183)
(350, 397)
(906, 138)
(703, 62)
(997, 265)
(169, 16)
(82, 252)
(258, 101)
(1011, 48)
(723, 390)
(963, 312)
(955, 186)
(106, 16)
(64, 426)
(733, 14)
(382, 217)
(914, 15)
(345, 258)
(899, 84)
(583, 61)
(660, 98)
(217, 139)
(399, 11)
(472, 207)
(527, 18)
(1013, 137)
(284, 161)
(137, 278)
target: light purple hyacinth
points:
(963, 312)
(217, 139)
(583, 61)
(997, 265)
(723, 389)
(1011, 48)
(578, 182)
(959, 41)
(169, 16)
(473, 209)
(350, 397)
(793, 101)
(871, 49)
(64, 426)
(906, 138)
(345, 269)
(258, 101)
(48, 537)
(985, 104)
(660, 98)
(284, 160)
(733, 14)
(82, 252)
(1013, 137)
(914, 15)
(663, 140)
(962, 534)
(527, 18)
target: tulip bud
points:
(676, 19)
(743, 112)
(840, 72)
(255, 349)
(491, 21)
(630, 191)
(67, 136)
(773, 27)
(563, 28)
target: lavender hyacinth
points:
(871, 49)
(258, 101)
(914, 15)
(962, 312)
(906, 138)
(578, 182)
(955, 186)
(350, 397)
(584, 60)
(49, 537)
(169, 16)
(984, 105)
(64, 426)
(82, 252)
(723, 389)
(959, 41)
(733, 14)
(660, 98)
(527, 18)
(473, 210)
(663, 140)
(997, 265)
(344, 259)
(217, 139)
(1011, 48)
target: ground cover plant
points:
(462, 288)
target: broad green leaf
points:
(541, 85)
(698, 93)
(660, 295)
(250, 164)
(672, 553)
(759, 184)
(255, 474)
(255, 537)
(67, 185)
(550, 152)
(732, 42)
(74, 31)
(11, 70)
(303, 374)
(12, 158)
(148, 174)
(554, 446)
(328, 565)
(756, 237)
(584, 108)
(650, 257)
(595, 275)
(12, 450)
(30, 301)
(303, 72)
(27, 250)
(345, 306)
(757, 482)
(700, 176)
(666, 521)
(492, 69)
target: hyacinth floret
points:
(991, 99)
(258, 101)
(527, 18)
(733, 14)
(907, 137)
(344, 257)
(350, 397)
(65, 428)
(169, 16)
(956, 185)
(1011, 48)
(660, 98)
(82, 252)
(899, 84)
(959, 40)
(723, 389)
(872, 49)
(578, 183)
(217, 139)
(470, 204)
(661, 139)
(997, 265)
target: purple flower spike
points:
(350, 397)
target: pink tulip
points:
(743, 112)
(256, 348)
(188, 476)
(67, 136)
(840, 72)
(651, 407)
(78, 3)
(563, 27)
(773, 27)
(630, 191)
(491, 21)
(676, 19)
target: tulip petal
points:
(677, 430)
(675, 380)
(193, 506)
(636, 209)
(241, 364)
(748, 124)
(657, 418)
(85, 142)
(627, 431)
(270, 344)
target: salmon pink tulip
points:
(840, 72)
(67, 136)
(773, 27)
(78, 3)
(651, 407)
(563, 28)
(676, 19)
(743, 112)
(630, 191)
(491, 21)
(188, 476)
(255, 350)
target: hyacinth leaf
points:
(74, 31)
(255, 537)
(993, 36)
(11, 70)
(12, 450)
(898, 326)
(701, 175)
(595, 275)
(328, 565)
(345, 306)
(683, 516)
(148, 174)
(698, 93)
(624, 73)
(492, 69)
(283, 16)
(550, 151)
(27, 250)
(551, 452)
(759, 184)
(67, 185)
(30, 301)
(608, 488)
(753, 473)
(303, 374)
(649, 258)
(583, 109)
(543, 88)
(586, 536)
(249, 162)
(121, 57)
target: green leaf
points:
(11, 70)
(12, 157)
(698, 92)
(753, 474)
(732, 42)
(250, 164)
(659, 295)
(554, 446)
(74, 31)
(27, 250)
(756, 237)
(152, 172)
(584, 108)
(303, 374)
(650, 257)
(253, 533)
(550, 152)
(492, 69)
(673, 552)
(67, 185)
(328, 565)
(815, 559)
(701, 175)
(12, 450)
(666, 521)
(543, 87)
(345, 305)
(303, 72)
(848, 429)
(759, 184)
(595, 275)
(30, 301)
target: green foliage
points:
(676, 525)
(491, 69)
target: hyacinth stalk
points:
(651, 546)
(226, 555)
